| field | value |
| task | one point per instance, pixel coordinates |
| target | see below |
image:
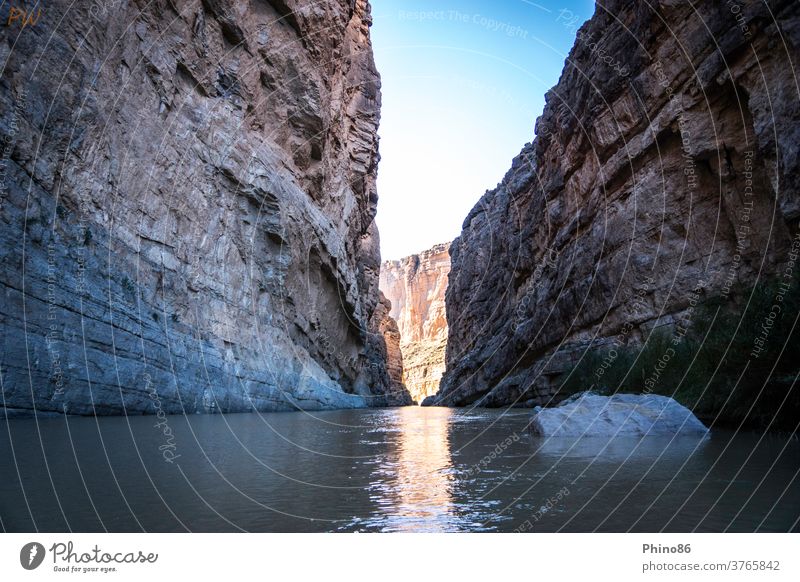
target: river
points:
(403, 469)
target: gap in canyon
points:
(416, 286)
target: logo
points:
(23, 16)
(31, 555)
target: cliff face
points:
(416, 288)
(385, 341)
(188, 205)
(665, 169)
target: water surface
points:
(404, 469)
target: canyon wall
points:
(386, 344)
(188, 208)
(416, 288)
(664, 171)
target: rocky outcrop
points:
(416, 288)
(664, 170)
(385, 342)
(188, 207)
(620, 415)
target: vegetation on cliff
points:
(734, 364)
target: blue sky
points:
(463, 84)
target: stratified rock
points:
(665, 169)
(387, 379)
(188, 207)
(416, 287)
(620, 415)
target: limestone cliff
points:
(188, 207)
(416, 288)
(385, 341)
(664, 168)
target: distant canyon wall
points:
(416, 287)
(665, 169)
(188, 208)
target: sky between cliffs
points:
(463, 84)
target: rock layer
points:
(385, 341)
(665, 168)
(188, 207)
(416, 287)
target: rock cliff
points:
(416, 288)
(385, 341)
(188, 207)
(664, 171)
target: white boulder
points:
(623, 415)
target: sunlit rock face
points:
(664, 168)
(188, 207)
(416, 287)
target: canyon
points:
(188, 200)
(188, 209)
(415, 286)
(188, 216)
(663, 173)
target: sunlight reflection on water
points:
(406, 469)
(416, 493)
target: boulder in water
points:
(623, 415)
